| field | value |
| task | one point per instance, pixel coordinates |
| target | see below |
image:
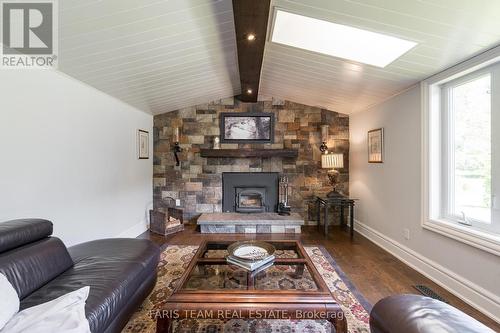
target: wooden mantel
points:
(249, 153)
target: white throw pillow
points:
(9, 301)
(65, 314)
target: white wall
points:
(68, 154)
(390, 201)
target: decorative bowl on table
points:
(251, 251)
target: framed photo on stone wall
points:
(142, 144)
(248, 127)
(376, 146)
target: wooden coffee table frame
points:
(210, 304)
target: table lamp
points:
(333, 162)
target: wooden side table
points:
(342, 203)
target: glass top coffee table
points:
(291, 288)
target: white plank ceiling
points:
(157, 55)
(447, 32)
(162, 55)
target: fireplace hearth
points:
(250, 192)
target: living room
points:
(250, 166)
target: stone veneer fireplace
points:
(249, 192)
(197, 182)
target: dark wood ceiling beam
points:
(250, 18)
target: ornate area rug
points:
(175, 259)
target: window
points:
(467, 141)
(462, 156)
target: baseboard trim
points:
(134, 230)
(474, 295)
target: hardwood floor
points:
(375, 272)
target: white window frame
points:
(432, 155)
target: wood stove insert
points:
(250, 192)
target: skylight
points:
(337, 40)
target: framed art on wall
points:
(142, 144)
(248, 127)
(376, 146)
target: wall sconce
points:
(177, 147)
(324, 139)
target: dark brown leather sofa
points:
(419, 314)
(120, 272)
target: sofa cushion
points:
(65, 314)
(20, 232)
(9, 302)
(113, 268)
(419, 314)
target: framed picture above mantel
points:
(248, 127)
(376, 146)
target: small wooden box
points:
(161, 221)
